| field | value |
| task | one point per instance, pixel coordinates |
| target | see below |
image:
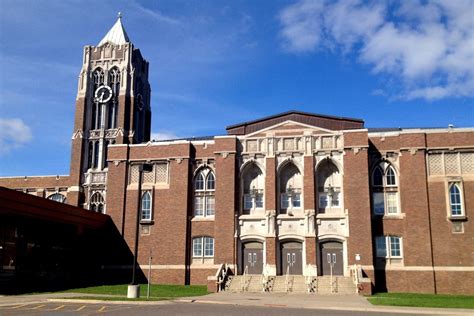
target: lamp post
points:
(134, 288)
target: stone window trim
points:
(455, 206)
(252, 190)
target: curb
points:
(85, 301)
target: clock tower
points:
(112, 107)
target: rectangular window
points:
(378, 201)
(197, 247)
(210, 205)
(296, 200)
(284, 201)
(395, 250)
(198, 206)
(388, 246)
(381, 247)
(392, 203)
(259, 201)
(248, 203)
(208, 247)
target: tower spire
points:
(116, 34)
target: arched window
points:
(253, 189)
(97, 203)
(204, 193)
(114, 83)
(385, 198)
(96, 117)
(455, 200)
(146, 206)
(329, 185)
(57, 197)
(291, 183)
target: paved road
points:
(56, 308)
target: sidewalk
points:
(306, 301)
(323, 302)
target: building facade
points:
(295, 193)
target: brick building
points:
(295, 193)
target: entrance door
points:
(253, 257)
(331, 255)
(291, 258)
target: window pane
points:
(284, 201)
(323, 200)
(455, 200)
(335, 199)
(198, 206)
(208, 247)
(395, 247)
(391, 176)
(210, 205)
(248, 202)
(211, 181)
(377, 177)
(199, 182)
(259, 201)
(392, 207)
(381, 248)
(378, 201)
(296, 200)
(197, 247)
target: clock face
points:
(103, 94)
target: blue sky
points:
(216, 63)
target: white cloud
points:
(428, 46)
(14, 133)
(163, 135)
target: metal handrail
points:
(287, 277)
(222, 274)
(243, 281)
(356, 275)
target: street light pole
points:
(134, 288)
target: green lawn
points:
(156, 290)
(422, 300)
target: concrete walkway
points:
(306, 301)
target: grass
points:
(118, 298)
(157, 291)
(422, 300)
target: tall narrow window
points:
(96, 117)
(114, 82)
(329, 185)
(253, 189)
(96, 155)
(290, 183)
(385, 198)
(146, 206)
(204, 193)
(455, 200)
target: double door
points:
(331, 258)
(291, 258)
(253, 257)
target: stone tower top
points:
(116, 34)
